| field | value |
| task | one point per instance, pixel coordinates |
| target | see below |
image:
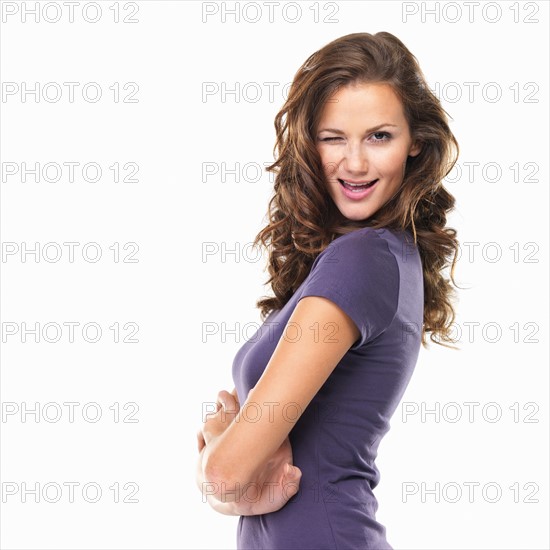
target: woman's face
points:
(363, 138)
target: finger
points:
(291, 481)
(212, 414)
(228, 402)
(292, 473)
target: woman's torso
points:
(335, 441)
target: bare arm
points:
(227, 508)
(295, 373)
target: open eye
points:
(384, 136)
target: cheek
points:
(393, 162)
(328, 161)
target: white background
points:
(172, 212)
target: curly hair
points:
(302, 217)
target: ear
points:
(415, 149)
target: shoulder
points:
(370, 234)
(359, 272)
(365, 250)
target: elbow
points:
(228, 484)
(224, 486)
(220, 480)
(214, 471)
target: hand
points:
(216, 423)
(275, 482)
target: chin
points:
(355, 216)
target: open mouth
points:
(356, 186)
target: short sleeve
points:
(360, 274)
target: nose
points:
(355, 160)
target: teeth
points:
(355, 184)
(358, 184)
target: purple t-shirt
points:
(375, 276)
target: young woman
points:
(357, 243)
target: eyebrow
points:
(335, 131)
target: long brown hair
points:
(302, 217)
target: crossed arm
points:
(248, 445)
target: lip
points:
(357, 195)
